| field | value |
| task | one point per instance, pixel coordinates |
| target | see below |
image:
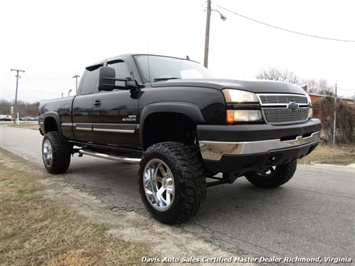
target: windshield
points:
(159, 68)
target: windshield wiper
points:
(164, 79)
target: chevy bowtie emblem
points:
(292, 106)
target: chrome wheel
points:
(171, 181)
(47, 152)
(159, 185)
(55, 153)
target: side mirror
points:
(107, 77)
(130, 83)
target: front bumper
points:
(214, 150)
(243, 148)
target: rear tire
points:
(172, 183)
(273, 176)
(55, 153)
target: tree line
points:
(25, 109)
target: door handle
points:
(97, 103)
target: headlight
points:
(238, 96)
(243, 116)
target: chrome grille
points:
(283, 115)
(276, 108)
(282, 99)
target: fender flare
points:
(188, 109)
(55, 116)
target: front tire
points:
(172, 182)
(55, 153)
(274, 176)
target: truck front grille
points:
(282, 99)
(277, 116)
(284, 108)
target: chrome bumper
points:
(214, 150)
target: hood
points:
(257, 86)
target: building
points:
(315, 97)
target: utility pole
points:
(15, 104)
(207, 35)
(335, 116)
(76, 82)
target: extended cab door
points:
(115, 113)
(83, 104)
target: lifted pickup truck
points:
(183, 126)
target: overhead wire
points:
(283, 29)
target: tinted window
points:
(90, 81)
(122, 71)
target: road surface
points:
(313, 215)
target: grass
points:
(325, 154)
(37, 231)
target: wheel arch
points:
(51, 122)
(160, 121)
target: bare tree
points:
(5, 107)
(24, 108)
(280, 75)
(320, 86)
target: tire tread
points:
(283, 173)
(61, 153)
(190, 177)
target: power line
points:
(283, 29)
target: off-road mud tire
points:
(55, 153)
(184, 177)
(274, 176)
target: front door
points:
(82, 106)
(115, 113)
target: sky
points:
(52, 41)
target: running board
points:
(110, 157)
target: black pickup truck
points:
(183, 126)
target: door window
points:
(90, 80)
(122, 72)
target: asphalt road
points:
(312, 215)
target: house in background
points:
(315, 97)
